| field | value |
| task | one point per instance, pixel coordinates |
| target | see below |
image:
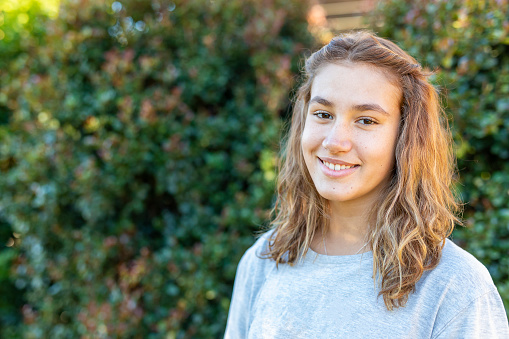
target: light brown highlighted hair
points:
(417, 209)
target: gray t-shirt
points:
(335, 297)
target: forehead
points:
(357, 83)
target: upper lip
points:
(336, 161)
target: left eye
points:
(323, 115)
(367, 121)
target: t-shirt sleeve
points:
(484, 317)
(251, 274)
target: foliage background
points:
(138, 140)
(137, 157)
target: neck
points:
(347, 231)
(348, 221)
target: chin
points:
(353, 194)
(335, 195)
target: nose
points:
(339, 138)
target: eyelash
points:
(371, 121)
(320, 114)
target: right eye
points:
(323, 115)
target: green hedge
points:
(138, 159)
(21, 28)
(467, 43)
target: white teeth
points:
(336, 167)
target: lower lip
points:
(336, 174)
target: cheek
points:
(309, 147)
(308, 140)
(379, 149)
(387, 150)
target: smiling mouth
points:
(337, 167)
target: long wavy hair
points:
(417, 209)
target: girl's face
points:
(350, 132)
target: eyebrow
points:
(370, 107)
(321, 101)
(360, 107)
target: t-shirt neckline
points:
(317, 258)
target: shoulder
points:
(252, 272)
(458, 280)
(459, 276)
(464, 295)
(470, 305)
(457, 265)
(254, 259)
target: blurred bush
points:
(467, 42)
(137, 159)
(21, 27)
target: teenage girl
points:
(358, 247)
